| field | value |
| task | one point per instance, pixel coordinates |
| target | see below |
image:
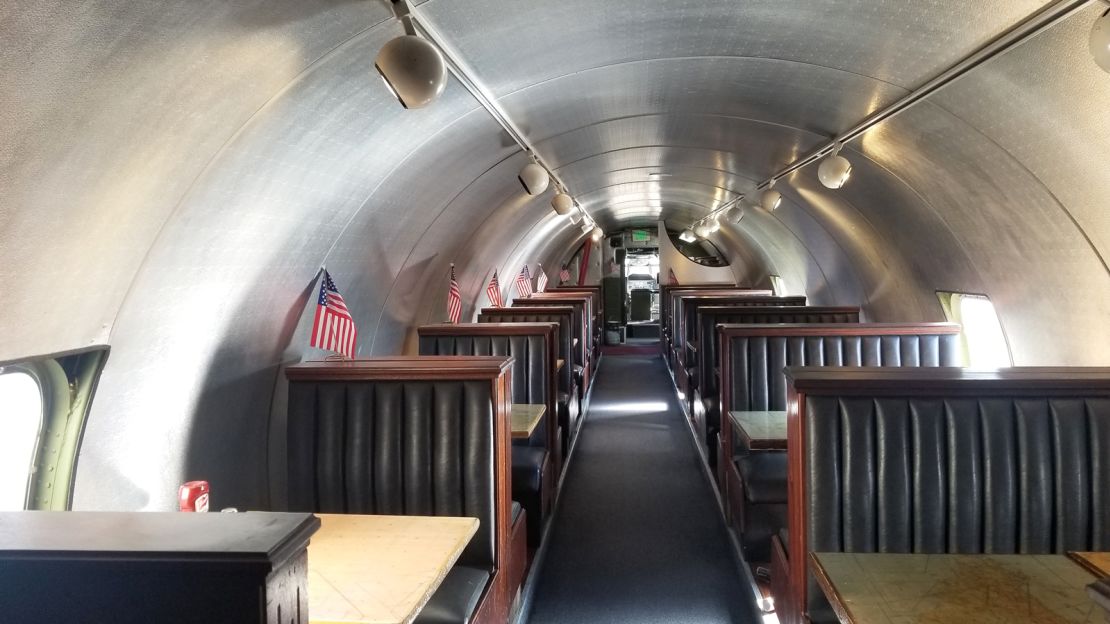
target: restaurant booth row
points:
(859, 464)
(419, 488)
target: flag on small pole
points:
(333, 328)
(523, 283)
(493, 291)
(541, 282)
(454, 299)
(672, 280)
(564, 275)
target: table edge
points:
(1091, 568)
(843, 613)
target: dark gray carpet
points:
(638, 536)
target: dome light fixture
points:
(596, 234)
(701, 229)
(770, 199)
(562, 203)
(413, 69)
(534, 179)
(834, 170)
(1100, 42)
(687, 236)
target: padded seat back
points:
(398, 447)
(755, 356)
(691, 306)
(583, 321)
(527, 343)
(563, 315)
(950, 461)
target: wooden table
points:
(1098, 563)
(525, 418)
(872, 588)
(380, 569)
(559, 364)
(761, 430)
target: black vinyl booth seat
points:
(946, 461)
(411, 436)
(568, 399)
(753, 358)
(583, 328)
(668, 300)
(535, 461)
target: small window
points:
(20, 425)
(778, 286)
(984, 343)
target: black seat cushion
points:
(764, 476)
(457, 597)
(528, 468)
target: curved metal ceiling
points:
(173, 175)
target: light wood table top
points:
(380, 569)
(1098, 563)
(762, 430)
(559, 364)
(873, 588)
(525, 418)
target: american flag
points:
(541, 282)
(333, 328)
(523, 283)
(564, 275)
(671, 278)
(493, 291)
(454, 299)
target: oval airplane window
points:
(20, 424)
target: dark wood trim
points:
(525, 309)
(1087, 565)
(950, 381)
(401, 367)
(843, 613)
(795, 501)
(729, 330)
(486, 329)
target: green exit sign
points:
(640, 236)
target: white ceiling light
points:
(734, 214)
(701, 229)
(534, 179)
(596, 234)
(1100, 42)
(770, 198)
(687, 236)
(562, 203)
(413, 70)
(834, 170)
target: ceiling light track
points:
(465, 75)
(1025, 30)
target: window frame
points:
(66, 398)
(955, 316)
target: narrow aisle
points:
(638, 536)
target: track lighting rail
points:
(1035, 24)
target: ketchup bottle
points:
(193, 496)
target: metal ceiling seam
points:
(221, 150)
(701, 57)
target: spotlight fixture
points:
(734, 214)
(562, 203)
(701, 230)
(1100, 42)
(413, 69)
(596, 234)
(834, 170)
(534, 179)
(687, 236)
(770, 198)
